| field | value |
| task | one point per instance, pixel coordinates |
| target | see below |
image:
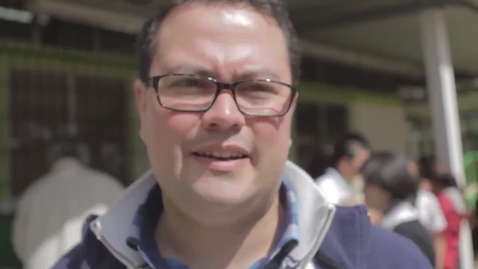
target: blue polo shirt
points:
(142, 234)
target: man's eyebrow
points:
(251, 73)
(189, 69)
(258, 73)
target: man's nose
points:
(224, 114)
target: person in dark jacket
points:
(389, 188)
(215, 99)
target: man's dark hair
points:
(347, 147)
(147, 38)
(391, 172)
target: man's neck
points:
(223, 247)
(65, 161)
(342, 174)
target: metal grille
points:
(38, 108)
(101, 114)
(44, 105)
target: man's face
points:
(229, 43)
(352, 165)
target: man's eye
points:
(259, 88)
(186, 83)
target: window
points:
(318, 127)
(44, 105)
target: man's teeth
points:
(222, 155)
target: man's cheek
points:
(178, 125)
(268, 133)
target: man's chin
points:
(223, 195)
(222, 198)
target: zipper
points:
(310, 256)
(95, 227)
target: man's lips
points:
(222, 152)
(226, 156)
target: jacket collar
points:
(314, 217)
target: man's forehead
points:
(232, 18)
(207, 5)
(226, 42)
(238, 14)
(360, 150)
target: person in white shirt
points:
(349, 155)
(51, 212)
(431, 215)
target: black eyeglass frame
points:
(153, 82)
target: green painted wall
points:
(323, 93)
(4, 130)
(466, 102)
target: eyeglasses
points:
(194, 93)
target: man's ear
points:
(140, 100)
(292, 110)
(293, 105)
(139, 95)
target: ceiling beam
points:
(89, 15)
(131, 24)
(369, 14)
(367, 61)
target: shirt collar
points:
(141, 233)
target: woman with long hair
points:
(452, 203)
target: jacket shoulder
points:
(89, 254)
(352, 241)
(391, 250)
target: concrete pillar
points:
(445, 116)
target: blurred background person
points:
(389, 187)
(337, 184)
(452, 203)
(51, 211)
(429, 209)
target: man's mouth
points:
(221, 156)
